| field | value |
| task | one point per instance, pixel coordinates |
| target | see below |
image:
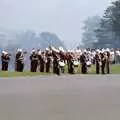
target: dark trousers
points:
(84, 68)
(103, 68)
(55, 66)
(47, 67)
(97, 68)
(69, 71)
(108, 68)
(71, 68)
(4, 66)
(34, 65)
(62, 69)
(19, 66)
(42, 67)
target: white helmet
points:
(60, 48)
(6, 53)
(89, 52)
(85, 51)
(39, 53)
(57, 51)
(47, 49)
(107, 50)
(68, 50)
(19, 50)
(98, 51)
(78, 51)
(103, 50)
(72, 51)
(3, 52)
(33, 50)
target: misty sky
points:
(63, 17)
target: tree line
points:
(102, 32)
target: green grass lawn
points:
(115, 69)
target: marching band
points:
(57, 59)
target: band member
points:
(55, 63)
(48, 60)
(103, 62)
(19, 61)
(71, 63)
(62, 61)
(83, 60)
(97, 61)
(34, 61)
(5, 60)
(108, 62)
(42, 61)
(68, 60)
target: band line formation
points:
(57, 59)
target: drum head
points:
(76, 63)
(62, 64)
(89, 63)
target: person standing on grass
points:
(48, 60)
(62, 59)
(19, 61)
(83, 60)
(103, 62)
(42, 61)
(117, 57)
(5, 61)
(55, 63)
(34, 61)
(108, 61)
(70, 63)
(97, 61)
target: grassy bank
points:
(115, 69)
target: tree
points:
(89, 34)
(104, 35)
(112, 16)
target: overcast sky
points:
(63, 17)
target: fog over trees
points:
(103, 31)
(12, 40)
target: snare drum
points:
(89, 63)
(76, 63)
(62, 64)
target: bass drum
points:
(89, 64)
(76, 63)
(61, 64)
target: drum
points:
(76, 63)
(89, 64)
(62, 64)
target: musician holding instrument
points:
(5, 61)
(19, 61)
(62, 59)
(108, 61)
(97, 61)
(41, 58)
(70, 63)
(83, 60)
(48, 60)
(34, 61)
(103, 62)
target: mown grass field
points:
(115, 69)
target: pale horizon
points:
(64, 18)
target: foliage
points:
(28, 40)
(89, 34)
(109, 32)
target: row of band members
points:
(43, 60)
